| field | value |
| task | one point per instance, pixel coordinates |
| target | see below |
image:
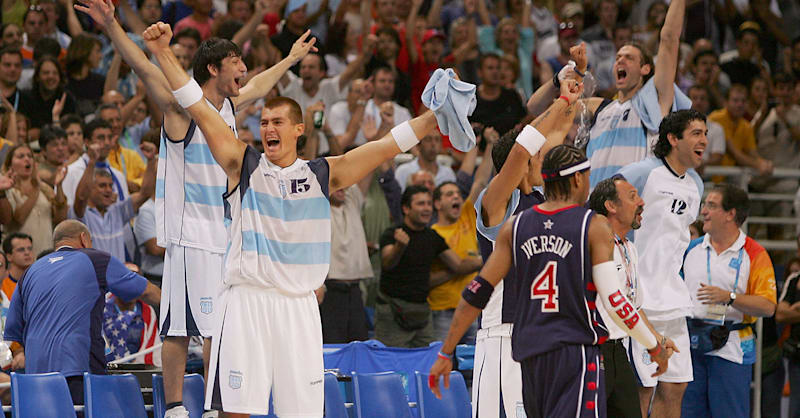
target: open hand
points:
(61, 173)
(101, 11)
(301, 48)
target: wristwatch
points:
(733, 299)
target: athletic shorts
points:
(267, 342)
(190, 291)
(497, 378)
(679, 369)
(566, 382)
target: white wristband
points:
(404, 136)
(531, 139)
(189, 94)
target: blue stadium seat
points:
(40, 396)
(380, 395)
(334, 402)
(193, 395)
(455, 402)
(113, 396)
(465, 356)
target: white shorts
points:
(190, 291)
(679, 369)
(497, 378)
(267, 341)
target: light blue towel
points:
(646, 104)
(452, 101)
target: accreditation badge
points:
(715, 314)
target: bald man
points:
(57, 309)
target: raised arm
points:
(667, 63)
(410, 25)
(132, 19)
(246, 32)
(484, 170)
(260, 85)
(148, 184)
(225, 148)
(102, 11)
(84, 189)
(355, 68)
(351, 167)
(503, 184)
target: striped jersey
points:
(279, 225)
(189, 189)
(671, 204)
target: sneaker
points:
(177, 412)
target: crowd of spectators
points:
(79, 138)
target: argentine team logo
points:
(235, 380)
(206, 305)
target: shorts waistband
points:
(341, 284)
(502, 330)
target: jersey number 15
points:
(544, 287)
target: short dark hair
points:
(502, 148)
(211, 52)
(46, 46)
(49, 134)
(603, 192)
(323, 65)
(558, 157)
(437, 192)
(702, 53)
(674, 123)
(106, 106)
(7, 248)
(409, 192)
(782, 78)
(295, 112)
(390, 31)
(33, 9)
(488, 55)
(10, 50)
(228, 27)
(70, 119)
(738, 86)
(94, 125)
(189, 33)
(734, 197)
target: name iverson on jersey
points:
(546, 243)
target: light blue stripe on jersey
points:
(198, 154)
(286, 210)
(619, 137)
(596, 175)
(160, 188)
(204, 195)
(287, 252)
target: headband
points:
(552, 175)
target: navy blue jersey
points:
(497, 311)
(555, 294)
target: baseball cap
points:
(432, 33)
(571, 9)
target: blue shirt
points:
(108, 229)
(56, 312)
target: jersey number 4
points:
(544, 287)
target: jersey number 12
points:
(544, 287)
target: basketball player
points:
(557, 331)
(189, 188)
(278, 214)
(672, 192)
(517, 158)
(646, 93)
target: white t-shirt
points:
(145, 229)
(339, 118)
(716, 140)
(349, 257)
(328, 93)
(405, 171)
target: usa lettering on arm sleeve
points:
(123, 282)
(619, 307)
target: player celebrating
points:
(279, 231)
(189, 205)
(556, 326)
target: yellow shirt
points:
(461, 237)
(128, 162)
(739, 133)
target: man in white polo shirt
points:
(731, 281)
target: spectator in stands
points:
(429, 147)
(54, 313)
(456, 224)
(295, 25)
(44, 47)
(734, 295)
(200, 19)
(73, 125)
(190, 40)
(381, 112)
(402, 315)
(464, 55)
(31, 206)
(601, 35)
(739, 136)
(343, 50)
(53, 153)
(716, 135)
(424, 58)
(346, 117)
(130, 327)
(779, 142)
(508, 37)
(791, 60)
(18, 250)
(509, 73)
(48, 94)
(125, 160)
(497, 107)
(567, 38)
(83, 57)
(35, 24)
(97, 207)
(757, 106)
(11, 36)
(50, 8)
(97, 134)
(10, 72)
(240, 10)
(745, 62)
(387, 53)
(705, 72)
(152, 255)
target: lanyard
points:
(122, 162)
(128, 139)
(738, 262)
(630, 271)
(16, 101)
(105, 165)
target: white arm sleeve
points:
(619, 308)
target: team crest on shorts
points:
(206, 305)
(235, 380)
(646, 358)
